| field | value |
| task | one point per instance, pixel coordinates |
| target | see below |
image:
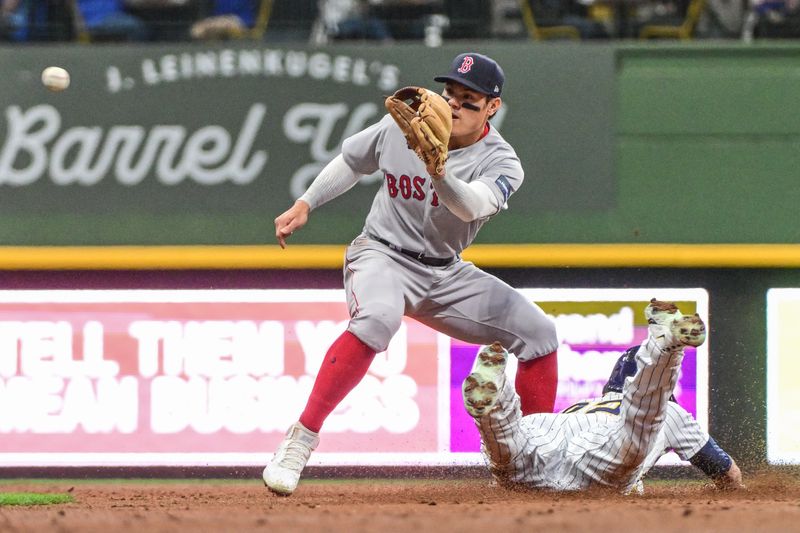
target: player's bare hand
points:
(730, 480)
(432, 172)
(292, 219)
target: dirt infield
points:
(771, 503)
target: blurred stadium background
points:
(661, 147)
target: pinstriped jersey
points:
(406, 210)
(570, 446)
(681, 432)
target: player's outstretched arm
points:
(336, 178)
(718, 465)
(290, 220)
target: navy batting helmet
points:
(625, 367)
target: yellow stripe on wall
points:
(331, 256)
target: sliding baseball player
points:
(611, 444)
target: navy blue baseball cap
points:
(476, 71)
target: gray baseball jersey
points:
(382, 284)
(577, 450)
(406, 212)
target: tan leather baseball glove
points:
(426, 121)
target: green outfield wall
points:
(204, 145)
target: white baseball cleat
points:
(282, 474)
(687, 330)
(481, 387)
(658, 312)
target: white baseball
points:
(55, 78)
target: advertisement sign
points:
(188, 377)
(202, 144)
(783, 369)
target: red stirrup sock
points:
(536, 384)
(344, 366)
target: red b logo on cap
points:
(466, 65)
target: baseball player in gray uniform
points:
(611, 445)
(407, 259)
